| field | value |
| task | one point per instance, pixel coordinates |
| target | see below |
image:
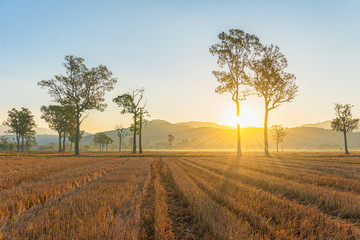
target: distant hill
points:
(207, 136)
(324, 124)
(41, 131)
(196, 124)
(197, 135)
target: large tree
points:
(122, 133)
(131, 103)
(235, 51)
(81, 89)
(21, 123)
(271, 82)
(344, 122)
(59, 119)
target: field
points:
(180, 195)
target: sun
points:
(247, 118)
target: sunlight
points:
(247, 118)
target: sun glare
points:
(247, 118)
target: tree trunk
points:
(134, 137)
(346, 147)
(22, 144)
(59, 141)
(64, 140)
(238, 155)
(266, 141)
(70, 146)
(120, 140)
(277, 145)
(140, 144)
(18, 143)
(77, 135)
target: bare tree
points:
(344, 122)
(271, 82)
(235, 52)
(81, 89)
(131, 103)
(121, 133)
(280, 134)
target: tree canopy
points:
(21, 123)
(81, 88)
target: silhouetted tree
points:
(235, 51)
(344, 122)
(171, 140)
(279, 136)
(20, 123)
(121, 133)
(131, 103)
(81, 89)
(271, 82)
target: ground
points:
(180, 195)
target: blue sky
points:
(163, 47)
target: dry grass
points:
(180, 196)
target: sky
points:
(163, 46)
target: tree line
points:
(79, 90)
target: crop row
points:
(16, 201)
(106, 208)
(274, 216)
(298, 174)
(342, 204)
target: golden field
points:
(180, 195)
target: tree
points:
(81, 89)
(235, 52)
(279, 136)
(121, 133)
(59, 119)
(344, 122)
(71, 136)
(102, 139)
(30, 140)
(131, 103)
(171, 140)
(20, 123)
(142, 114)
(271, 82)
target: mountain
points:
(211, 136)
(208, 136)
(197, 124)
(40, 131)
(324, 124)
